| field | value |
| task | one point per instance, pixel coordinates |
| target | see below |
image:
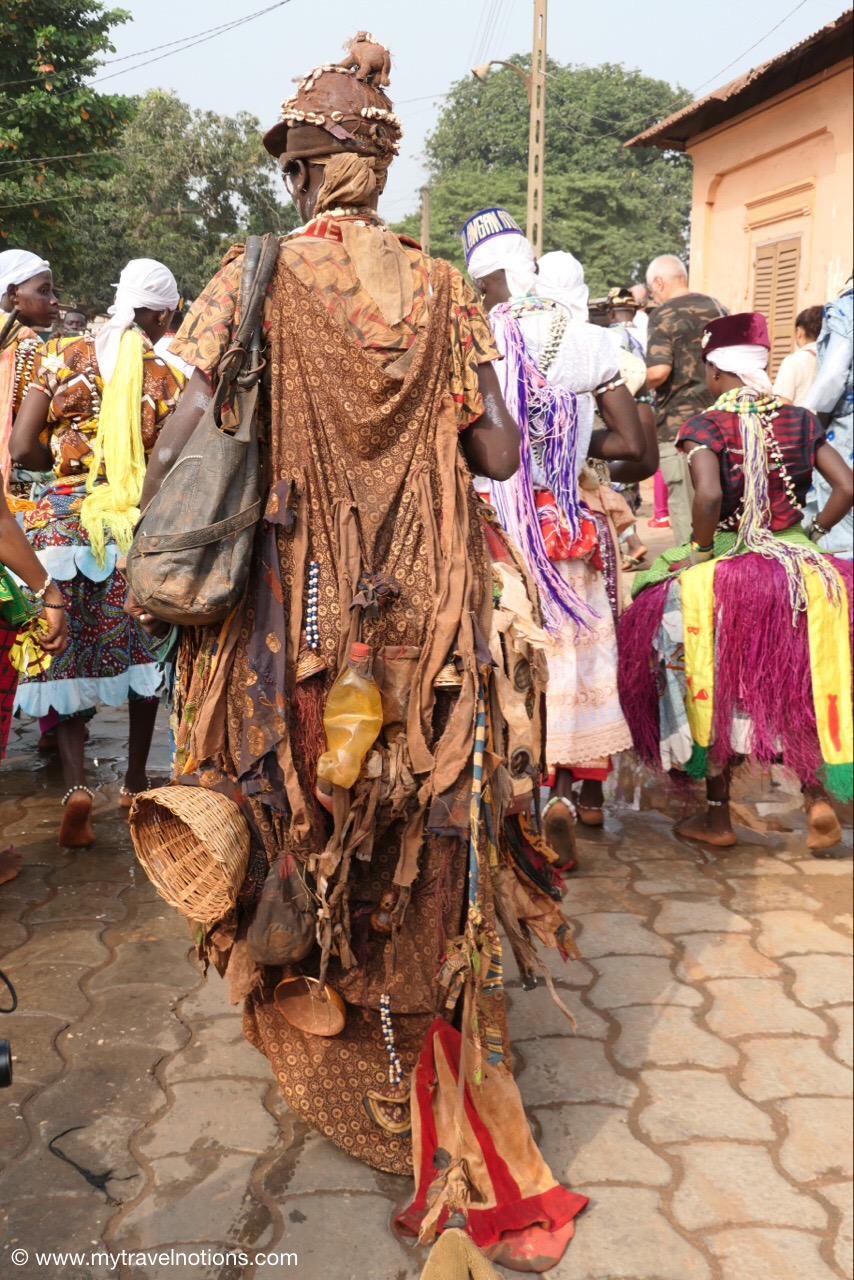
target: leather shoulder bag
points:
(189, 560)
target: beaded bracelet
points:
(39, 595)
(816, 531)
(609, 386)
(697, 449)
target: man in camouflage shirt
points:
(675, 370)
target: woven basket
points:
(194, 846)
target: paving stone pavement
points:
(704, 1104)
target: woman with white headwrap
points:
(557, 370)
(92, 415)
(27, 303)
(749, 624)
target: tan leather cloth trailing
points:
(375, 465)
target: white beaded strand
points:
(395, 1068)
(312, 632)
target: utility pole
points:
(425, 220)
(537, 136)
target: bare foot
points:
(558, 830)
(823, 829)
(75, 830)
(704, 829)
(589, 804)
(10, 865)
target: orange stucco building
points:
(772, 212)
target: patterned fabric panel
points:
(321, 263)
(67, 370)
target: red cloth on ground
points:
(517, 1213)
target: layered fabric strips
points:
(548, 422)
(706, 659)
(830, 663)
(698, 623)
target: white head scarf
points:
(17, 266)
(511, 253)
(143, 283)
(561, 280)
(747, 361)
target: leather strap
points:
(259, 262)
(161, 542)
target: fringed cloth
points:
(367, 484)
(749, 680)
(548, 421)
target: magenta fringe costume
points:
(762, 667)
(765, 684)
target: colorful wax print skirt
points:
(109, 658)
(714, 667)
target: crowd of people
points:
(450, 476)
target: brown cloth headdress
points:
(342, 119)
(341, 107)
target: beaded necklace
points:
(765, 408)
(756, 413)
(25, 359)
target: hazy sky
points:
(436, 41)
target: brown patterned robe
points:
(365, 479)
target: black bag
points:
(283, 929)
(190, 556)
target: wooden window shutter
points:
(775, 294)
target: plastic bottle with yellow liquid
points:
(352, 719)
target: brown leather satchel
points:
(190, 557)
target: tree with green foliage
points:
(57, 134)
(614, 208)
(191, 184)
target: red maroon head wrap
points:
(341, 107)
(746, 329)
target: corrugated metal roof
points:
(809, 57)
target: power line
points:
(477, 33)
(25, 204)
(489, 34)
(489, 20)
(188, 42)
(652, 117)
(72, 155)
(209, 32)
(191, 42)
(494, 15)
(761, 40)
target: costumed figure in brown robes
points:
(365, 940)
